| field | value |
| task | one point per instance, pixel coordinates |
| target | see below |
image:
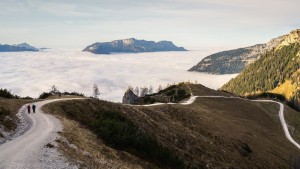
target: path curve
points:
(281, 111)
(25, 151)
(283, 122)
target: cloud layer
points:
(30, 73)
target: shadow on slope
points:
(210, 133)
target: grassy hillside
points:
(180, 92)
(275, 71)
(211, 133)
(8, 110)
(287, 89)
(173, 93)
(220, 134)
(108, 121)
(200, 90)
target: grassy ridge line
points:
(108, 122)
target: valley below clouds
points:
(31, 73)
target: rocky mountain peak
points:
(17, 48)
(23, 44)
(273, 42)
(26, 45)
(132, 45)
(295, 32)
(166, 42)
(234, 61)
(129, 41)
(292, 37)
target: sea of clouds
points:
(31, 73)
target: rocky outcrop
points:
(234, 61)
(129, 97)
(17, 48)
(292, 37)
(132, 45)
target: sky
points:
(193, 24)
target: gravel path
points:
(28, 150)
(280, 112)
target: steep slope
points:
(276, 71)
(111, 124)
(234, 61)
(132, 45)
(210, 133)
(17, 48)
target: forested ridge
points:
(226, 62)
(272, 69)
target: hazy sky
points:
(194, 24)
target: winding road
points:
(281, 111)
(28, 150)
(282, 121)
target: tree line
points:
(143, 91)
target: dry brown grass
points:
(13, 104)
(292, 118)
(200, 90)
(62, 97)
(91, 151)
(287, 89)
(212, 132)
(9, 121)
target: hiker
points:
(28, 108)
(33, 108)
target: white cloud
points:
(29, 73)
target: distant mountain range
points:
(17, 48)
(234, 61)
(132, 45)
(277, 71)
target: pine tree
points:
(143, 91)
(159, 88)
(150, 91)
(54, 90)
(96, 92)
(137, 91)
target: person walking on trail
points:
(33, 108)
(28, 108)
